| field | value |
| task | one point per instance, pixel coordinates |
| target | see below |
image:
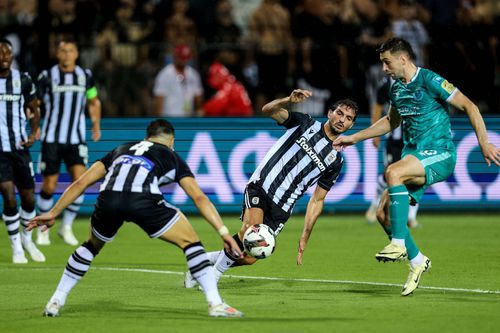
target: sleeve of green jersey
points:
(91, 92)
(440, 87)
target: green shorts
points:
(438, 166)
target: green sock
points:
(398, 210)
(411, 247)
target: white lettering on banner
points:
(350, 180)
(357, 174)
(370, 170)
(214, 181)
(466, 188)
(258, 145)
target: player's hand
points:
(231, 246)
(44, 221)
(376, 142)
(491, 154)
(342, 142)
(96, 134)
(31, 140)
(299, 95)
(302, 248)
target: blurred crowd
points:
(247, 52)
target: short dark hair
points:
(67, 39)
(159, 126)
(348, 103)
(396, 44)
(5, 41)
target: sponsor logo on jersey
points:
(68, 88)
(9, 98)
(16, 83)
(137, 160)
(302, 142)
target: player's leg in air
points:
(183, 235)
(222, 260)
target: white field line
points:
(366, 283)
(477, 291)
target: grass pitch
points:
(135, 284)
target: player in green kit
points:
(418, 99)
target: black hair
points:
(5, 41)
(348, 103)
(67, 39)
(396, 44)
(159, 126)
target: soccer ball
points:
(259, 241)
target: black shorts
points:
(54, 153)
(274, 217)
(149, 211)
(16, 166)
(393, 149)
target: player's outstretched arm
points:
(276, 109)
(382, 126)
(93, 174)
(208, 211)
(314, 209)
(490, 152)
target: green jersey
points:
(422, 104)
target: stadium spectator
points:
(19, 104)
(133, 175)
(408, 27)
(178, 91)
(179, 28)
(323, 56)
(418, 98)
(375, 29)
(270, 34)
(302, 157)
(230, 99)
(66, 90)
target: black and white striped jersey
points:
(142, 167)
(64, 96)
(302, 157)
(16, 90)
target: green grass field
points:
(135, 284)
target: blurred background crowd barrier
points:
(223, 154)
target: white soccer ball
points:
(259, 241)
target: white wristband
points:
(223, 230)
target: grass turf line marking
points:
(367, 283)
(477, 291)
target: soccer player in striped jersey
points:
(66, 90)
(18, 104)
(418, 99)
(133, 174)
(302, 157)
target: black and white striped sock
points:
(25, 219)
(202, 271)
(12, 224)
(78, 264)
